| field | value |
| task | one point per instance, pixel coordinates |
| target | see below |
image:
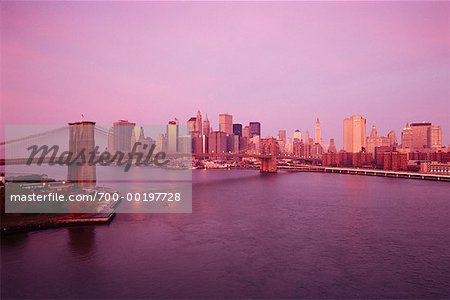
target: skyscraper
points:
(237, 129)
(297, 136)
(206, 126)
(198, 123)
(317, 133)
(354, 134)
(217, 142)
(407, 137)
(226, 123)
(392, 138)
(436, 137)
(282, 135)
(417, 136)
(246, 132)
(122, 133)
(172, 136)
(191, 124)
(374, 140)
(332, 147)
(307, 138)
(255, 129)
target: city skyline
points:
(264, 61)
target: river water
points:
(251, 236)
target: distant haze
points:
(283, 64)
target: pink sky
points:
(282, 64)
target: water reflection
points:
(81, 240)
(14, 242)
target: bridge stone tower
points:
(269, 153)
(81, 138)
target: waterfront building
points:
(332, 147)
(226, 123)
(288, 146)
(354, 134)
(206, 126)
(434, 167)
(298, 148)
(185, 145)
(237, 129)
(419, 136)
(282, 135)
(217, 142)
(122, 133)
(191, 124)
(436, 137)
(374, 140)
(161, 143)
(138, 136)
(392, 138)
(198, 123)
(246, 132)
(297, 136)
(255, 129)
(395, 161)
(172, 135)
(316, 151)
(317, 133)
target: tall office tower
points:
(374, 140)
(332, 147)
(317, 133)
(282, 135)
(417, 136)
(217, 142)
(421, 135)
(246, 132)
(354, 134)
(308, 139)
(137, 135)
(297, 136)
(123, 131)
(255, 129)
(82, 139)
(237, 129)
(392, 139)
(198, 123)
(186, 146)
(288, 146)
(436, 137)
(191, 124)
(161, 143)
(206, 126)
(407, 137)
(226, 123)
(172, 136)
(374, 131)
